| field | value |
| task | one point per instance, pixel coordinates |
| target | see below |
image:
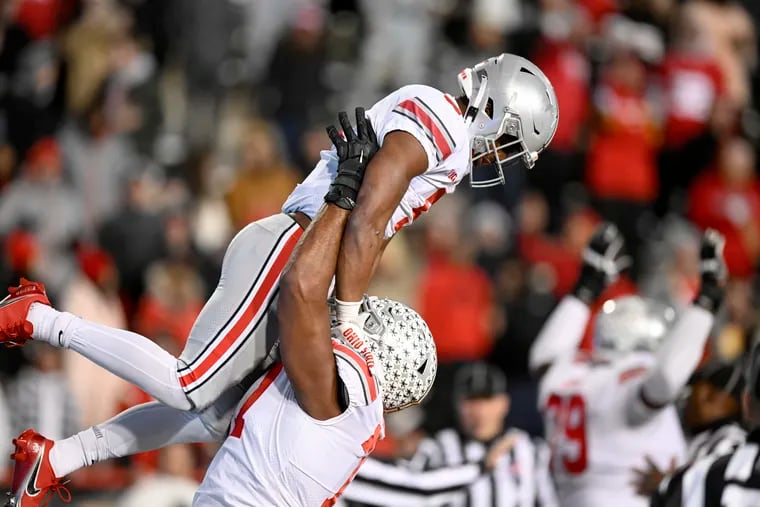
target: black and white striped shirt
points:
(717, 441)
(387, 484)
(732, 480)
(520, 478)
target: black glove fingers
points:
(348, 129)
(361, 123)
(337, 140)
(371, 132)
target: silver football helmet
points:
(404, 351)
(632, 323)
(509, 95)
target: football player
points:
(606, 412)
(429, 142)
(326, 396)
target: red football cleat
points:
(14, 328)
(34, 482)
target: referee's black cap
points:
(479, 380)
(726, 377)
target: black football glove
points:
(354, 153)
(712, 270)
(603, 260)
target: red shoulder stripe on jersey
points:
(368, 446)
(453, 103)
(359, 361)
(420, 209)
(237, 429)
(433, 125)
(261, 296)
(631, 373)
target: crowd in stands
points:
(137, 137)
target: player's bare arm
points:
(305, 343)
(680, 353)
(603, 261)
(400, 159)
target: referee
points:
(519, 478)
(732, 480)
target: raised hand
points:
(354, 153)
(603, 261)
(712, 269)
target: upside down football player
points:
(428, 143)
(327, 394)
(608, 412)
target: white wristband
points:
(346, 311)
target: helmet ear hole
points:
(422, 367)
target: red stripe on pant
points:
(248, 315)
(237, 425)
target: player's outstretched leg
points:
(26, 314)
(40, 463)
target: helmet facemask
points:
(483, 146)
(505, 94)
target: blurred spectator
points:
(264, 178)
(41, 202)
(173, 299)
(299, 59)
(727, 31)
(41, 397)
(87, 47)
(560, 54)
(492, 232)
(93, 295)
(135, 236)
(206, 31)
(181, 249)
(132, 91)
(455, 296)
(621, 169)
(34, 91)
(313, 141)
(397, 48)
(97, 161)
(693, 88)
(212, 228)
(398, 271)
(559, 259)
(41, 19)
(728, 200)
(173, 486)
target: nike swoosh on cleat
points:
(60, 338)
(31, 486)
(8, 300)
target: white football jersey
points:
(594, 449)
(435, 120)
(277, 455)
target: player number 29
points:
(567, 416)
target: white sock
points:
(142, 428)
(131, 356)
